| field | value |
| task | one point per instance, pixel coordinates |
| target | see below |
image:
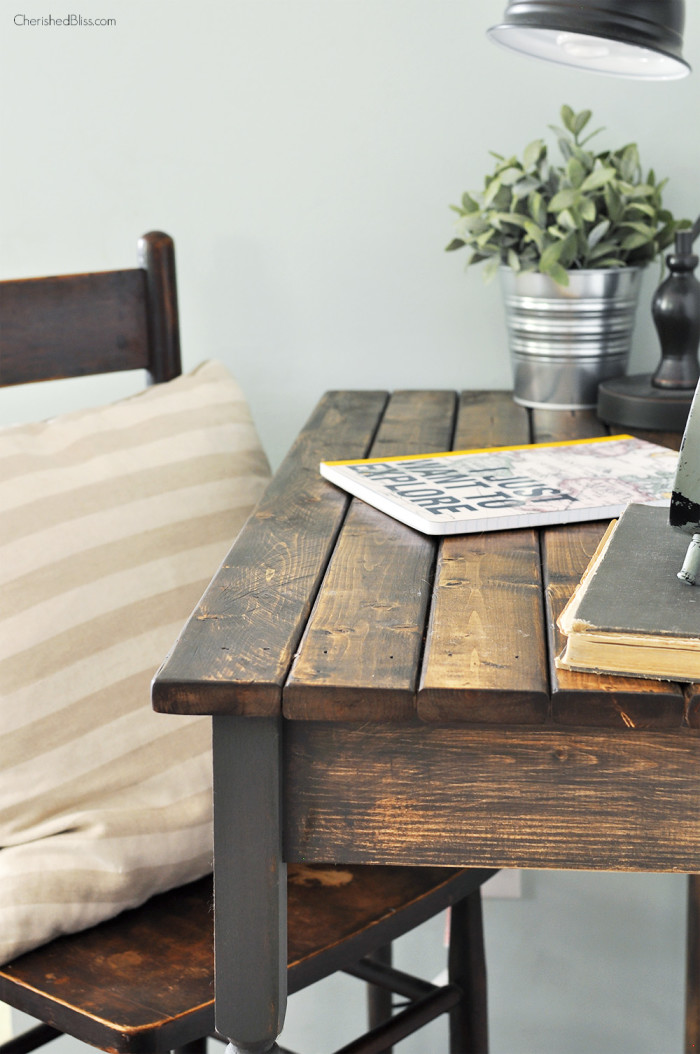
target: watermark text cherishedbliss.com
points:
(65, 20)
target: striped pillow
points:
(112, 522)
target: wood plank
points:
(235, 652)
(499, 797)
(490, 419)
(587, 699)
(485, 657)
(358, 659)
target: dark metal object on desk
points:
(662, 400)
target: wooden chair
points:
(143, 981)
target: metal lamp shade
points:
(641, 40)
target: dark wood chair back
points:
(79, 324)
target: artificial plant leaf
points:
(537, 208)
(491, 268)
(580, 121)
(524, 187)
(634, 241)
(629, 162)
(597, 233)
(469, 204)
(556, 272)
(576, 171)
(588, 210)
(568, 118)
(564, 199)
(533, 152)
(491, 191)
(598, 178)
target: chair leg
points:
(379, 1000)
(467, 969)
(31, 1040)
(692, 968)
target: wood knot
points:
(308, 875)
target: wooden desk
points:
(382, 697)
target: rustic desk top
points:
(327, 609)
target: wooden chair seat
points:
(143, 981)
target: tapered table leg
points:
(250, 883)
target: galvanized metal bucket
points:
(565, 340)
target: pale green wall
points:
(303, 154)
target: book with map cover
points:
(466, 491)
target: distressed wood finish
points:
(485, 650)
(144, 980)
(359, 657)
(234, 654)
(510, 798)
(485, 658)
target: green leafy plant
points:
(592, 210)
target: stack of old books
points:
(631, 614)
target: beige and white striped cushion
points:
(112, 522)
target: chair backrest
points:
(80, 324)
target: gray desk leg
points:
(250, 883)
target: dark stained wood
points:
(355, 905)
(144, 981)
(157, 260)
(485, 657)
(235, 652)
(488, 419)
(510, 798)
(588, 699)
(358, 659)
(74, 325)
